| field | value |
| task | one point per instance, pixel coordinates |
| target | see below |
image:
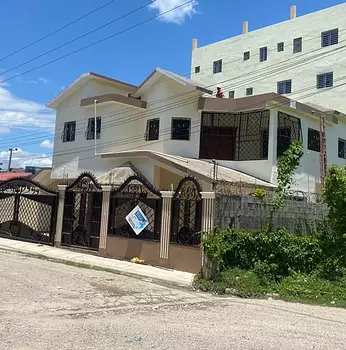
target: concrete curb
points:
(149, 273)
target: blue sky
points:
(131, 56)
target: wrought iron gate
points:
(135, 191)
(82, 213)
(27, 211)
(187, 213)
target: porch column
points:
(208, 217)
(165, 223)
(106, 195)
(60, 215)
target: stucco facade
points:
(302, 68)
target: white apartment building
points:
(302, 58)
(170, 126)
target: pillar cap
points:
(167, 194)
(106, 188)
(208, 195)
(62, 187)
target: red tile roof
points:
(4, 176)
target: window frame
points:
(174, 119)
(231, 94)
(263, 53)
(329, 37)
(289, 82)
(298, 41)
(90, 131)
(215, 65)
(197, 69)
(147, 131)
(64, 134)
(246, 55)
(280, 46)
(325, 76)
(247, 90)
(344, 148)
(311, 143)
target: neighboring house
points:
(303, 58)
(7, 175)
(44, 177)
(171, 126)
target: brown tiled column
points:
(106, 190)
(208, 216)
(60, 215)
(165, 223)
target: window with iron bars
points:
(324, 80)
(280, 46)
(234, 136)
(289, 130)
(284, 87)
(69, 133)
(263, 54)
(330, 37)
(297, 45)
(153, 129)
(181, 128)
(342, 148)
(90, 131)
(217, 66)
(314, 140)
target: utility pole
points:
(10, 157)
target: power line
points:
(281, 69)
(78, 38)
(57, 30)
(98, 41)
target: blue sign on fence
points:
(137, 220)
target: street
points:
(48, 305)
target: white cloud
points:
(21, 159)
(32, 82)
(24, 114)
(47, 144)
(178, 15)
(4, 130)
(43, 80)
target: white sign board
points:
(137, 220)
(293, 104)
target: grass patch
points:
(302, 288)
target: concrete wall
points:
(180, 257)
(302, 68)
(248, 213)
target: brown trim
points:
(133, 102)
(112, 80)
(258, 102)
(207, 91)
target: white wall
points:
(302, 67)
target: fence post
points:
(60, 215)
(166, 217)
(208, 219)
(106, 195)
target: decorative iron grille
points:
(135, 191)
(187, 213)
(289, 129)
(82, 213)
(27, 210)
(235, 136)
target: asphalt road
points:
(47, 305)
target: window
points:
(90, 132)
(324, 80)
(342, 148)
(231, 94)
(313, 140)
(331, 37)
(297, 45)
(197, 69)
(181, 129)
(217, 66)
(263, 53)
(249, 91)
(284, 87)
(281, 47)
(246, 55)
(153, 128)
(69, 132)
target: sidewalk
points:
(172, 277)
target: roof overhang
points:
(116, 98)
(81, 81)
